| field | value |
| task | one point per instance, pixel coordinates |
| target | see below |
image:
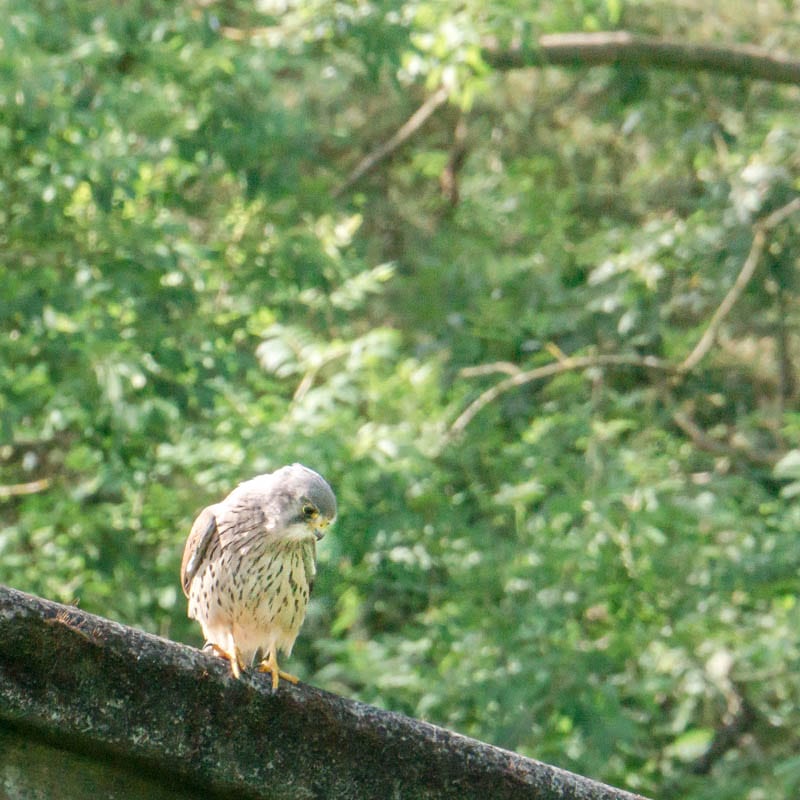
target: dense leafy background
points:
(601, 570)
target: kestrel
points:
(249, 565)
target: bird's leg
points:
(270, 664)
(237, 665)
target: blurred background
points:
(203, 277)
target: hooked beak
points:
(319, 528)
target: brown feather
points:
(203, 530)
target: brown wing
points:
(203, 531)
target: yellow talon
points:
(270, 665)
(236, 664)
(236, 660)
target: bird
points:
(249, 565)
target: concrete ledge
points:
(101, 693)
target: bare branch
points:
(742, 279)
(245, 34)
(621, 47)
(18, 489)
(490, 369)
(565, 363)
(776, 217)
(401, 136)
(308, 379)
(576, 50)
(548, 370)
(448, 180)
(615, 47)
(702, 441)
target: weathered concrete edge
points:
(96, 684)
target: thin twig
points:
(401, 136)
(742, 279)
(702, 441)
(18, 489)
(490, 369)
(308, 379)
(548, 370)
(245, 34)
(448, 180)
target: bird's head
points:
(306, 503)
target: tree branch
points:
(702, 441)
(622, 47)
(742, 279)
(566, 363)
(548, 370)
(17, 489)
(506, 367)
(448, 180)
(400, 137)
(580, 50)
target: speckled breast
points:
(275, 586)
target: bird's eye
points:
(309, 512)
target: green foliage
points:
(600, 570)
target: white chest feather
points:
(258, 593)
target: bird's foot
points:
(270, 665)
(237, 665)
